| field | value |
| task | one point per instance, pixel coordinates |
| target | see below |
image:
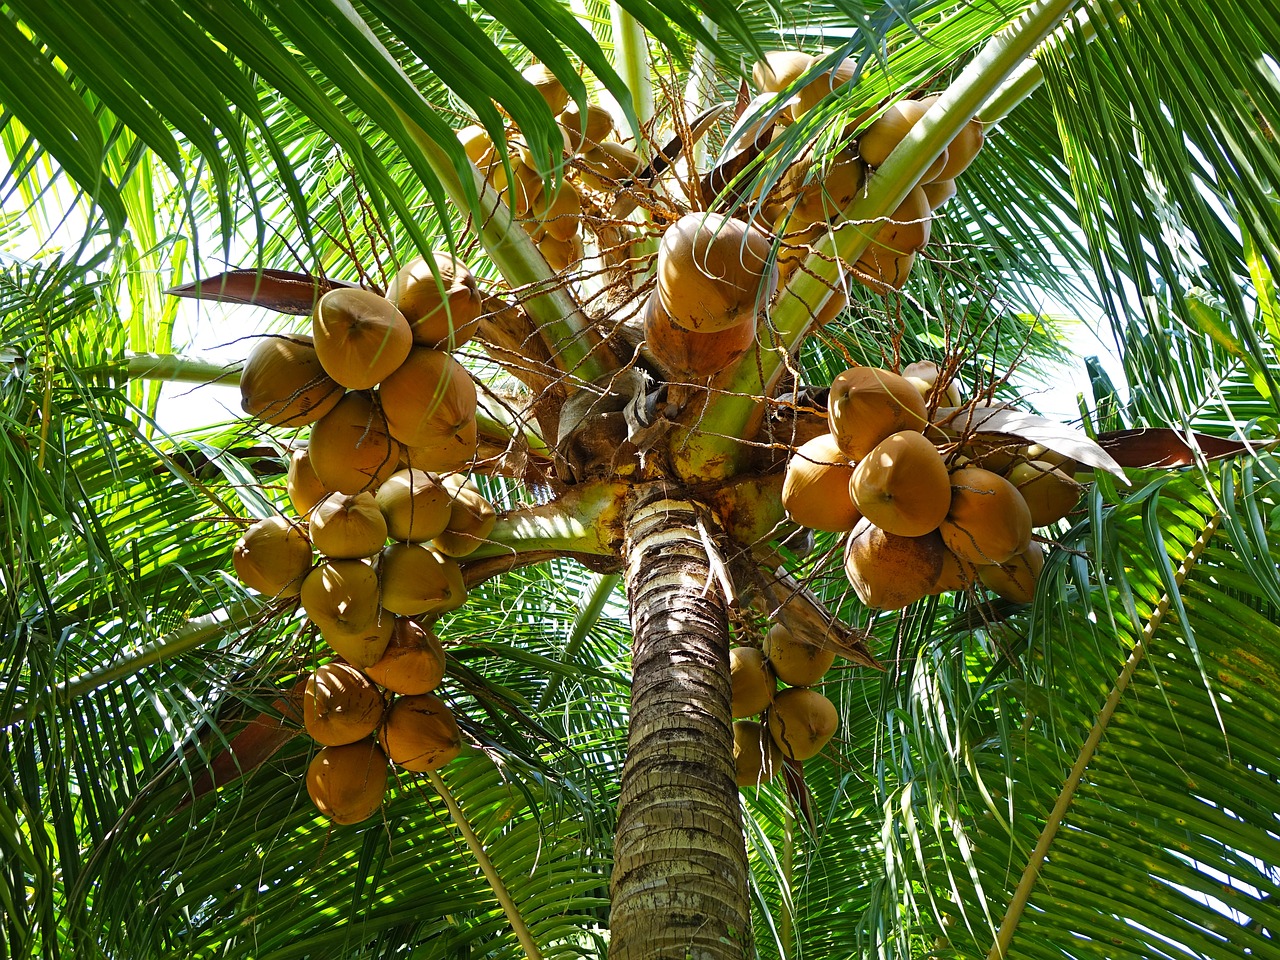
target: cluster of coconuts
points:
(347, 711)
(597, 162)
(808, 200)
(925, 513)
(798, 720)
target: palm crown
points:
(1088, 774)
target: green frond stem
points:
(585, 519)
(1009, 925)
(711, 448)
(631, 59)
(192, 634)
(518, 926)
(177, 368)
(583, 624)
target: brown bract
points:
(867, 404)
(283, 382)
(360, 337)
(348, 783)
(713, 272)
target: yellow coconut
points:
(795, 662)
(821, 194)
(273, 557)
(867, 404)
(939, 192)
(751, 681)
(818, 89)
(801, 721)
(477, 143)
(305, 488)
(547, 85)
(605, 166)
(902, 485)
(360, 337)
(471, 519)
(443, 306)
(340, 705)
(348, 527)
(889, 571)
(421, 733)
(815, 490)
(348, 783)
(878, 140)
(431, 398)
(341, 595)
(597, 125)
(416, 506)
(988, 522)
(1016, 580)
(417, 580)
(956, 574)
(364, 647)
(350, 448)
(779, 69)
(882, 270)
(413, 662)
(284, 384)
(906, 230)
(561, 254)
(558, 215)
(756, 758)
(963, 147)
(713, 272)
(1049, 492)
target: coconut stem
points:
(486, 866)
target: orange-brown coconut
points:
(815, 490)
(818, 89)
(421, 733)
(273, 557)
(348, 527)
(548, 87)
(342, 595)
(889, 571)
(795, 662)
(471, 519)
(598, 125)
(558, 216)
(442, 307)
(360, 337)
(605, 166)
(430, 400)
(416, 506)
(801, 721)
(963, 148)
(305, 488)
(1016, 580)
(688, 353)
(988, 522)
(350, 448)
(956, 574)
(867, 404)
(417, 580)
(364, 647)
(822, 193)
(939, 192)
(348, 783)
(882, 270)
(751, 681)
(561, 254)
(340, 705)
(1049, 492)
(284, 384)
(902, 485)
(713, 272)
(887, 131)
(413, 662)
(756, 758)
(779, 69)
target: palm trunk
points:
(679, 886)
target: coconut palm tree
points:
(1088, 774)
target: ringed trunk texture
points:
(679, 887)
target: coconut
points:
(902, 485)
(988, 522)
(963, 147)
(547, 85)
(907, 229)
(429, 399)
(471, 519)
(878, 140)
(415, 505)
(361, 648)
(815, 490)
(939, 192)
(413, 662)
(348, 783)
(559, 214)
(923, 375)
(348, 527)
(756, 758)
(273, 557)
(526, 186)
(888, 571)
(305, 488)
(421, 733)
(801, 721)
(818, 89)
(779, 69)
(360, 337)
(1050, 494)
(561, 254)
(1016, 580)
(443, 306)
(341, 595)
(956, 574)
(796, 663)
(477, 143)
(827, 191)
(350, 448)
(340, 705)
(608, 164)
(598, 124)
(284, 384)
(713, 272)
(882, 270)
(751, 681)
(689, 354)
(417, 580)
(867, 404)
